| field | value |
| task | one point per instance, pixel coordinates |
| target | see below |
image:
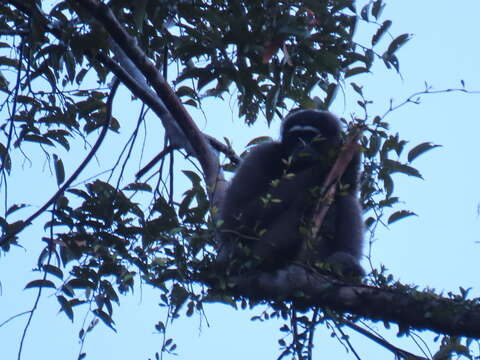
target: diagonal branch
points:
(209, 162)
(9, 235)
(171, 105)
(349, 150)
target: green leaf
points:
(105, 318)
(5, 157)
(81, 74)
(59, 136)
(388, 184)
(55, 271)
(138, 187)
(332, 91)
(213, 297)
(186, 91)
(373, 147)
(447, 351)
(84, 195)
(190, 102)
(109, 291)
(381, 31)
(400, 215)
(178, 296)
(355, 71)
(259, 140)
(392, 166)
(420, 149)
(38, 139)
(69, 65)
(358, 89)
(68, 290)
(26, 100)
(192, 176)
(364, 12)
(397, 43)
(139, 13)
(81, 284)
(41, 283)
(377, 8)
(271, 102)
(8, 62)
(14, 208)
(59, 170)
(66, 307)
(388, 202)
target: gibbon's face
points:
(301, 136)
(310, 129)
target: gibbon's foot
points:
(345, 264)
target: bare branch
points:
(382, 342)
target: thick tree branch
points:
(169, 101)
(175, 134)
(407, 307)
(205, 155)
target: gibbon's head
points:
(301, 127)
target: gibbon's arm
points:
(252, 179)
(348, 225)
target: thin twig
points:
(7, 236)
(395, 350)
(346, 155)
(13, 318)
(154, 161)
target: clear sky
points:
(437, 249)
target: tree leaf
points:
(377, 8)
(138, 187)
(41, 283)
(66, 307)
(59, 170)
(400, 215)
(55, 271)
(381, 31)
(38, 139)
(356, 71)
(14, 208)
(105, 318)
(364, 12)
(420, 149)
(397, 43)
(392, 166)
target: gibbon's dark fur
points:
(268, 206)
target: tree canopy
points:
(62, 65)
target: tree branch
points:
(7, 237)
(405, 306)
(209, 162)
(349, 150)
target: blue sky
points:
(437, 249)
